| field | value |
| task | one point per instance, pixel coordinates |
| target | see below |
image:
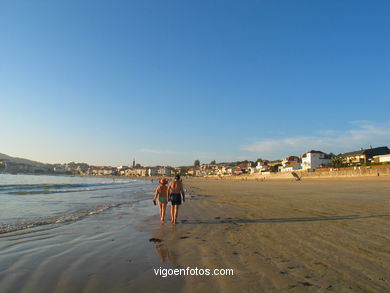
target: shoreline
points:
(103, 252)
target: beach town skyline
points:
(329, 141)
(310, 161)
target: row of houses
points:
(309, 161)
(313, 159)
(370, 155)
(249, 167)
(164, 171)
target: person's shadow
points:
(217, 220)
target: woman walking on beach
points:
(162, 195)
(176, 192)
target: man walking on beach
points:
(176, 192)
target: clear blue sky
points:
(168, 82)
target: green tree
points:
(275, 168)
(213, 162)
(197, 163)
(337, 162)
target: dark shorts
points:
(176, 199)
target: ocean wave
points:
(70, 217)
(49, 191)
(23, 189)
(58, 185)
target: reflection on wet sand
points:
(166, 254)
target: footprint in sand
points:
(155, 240)
(292, 286)
(306, 284)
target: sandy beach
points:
(317, 235)
(284, 236)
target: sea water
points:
(28, 201)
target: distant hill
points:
(21, 161)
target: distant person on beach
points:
(176, 194)
(162, 195)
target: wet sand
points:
(101, 253)
(316, 235)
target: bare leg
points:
(160, 205)
(164, 208)
(175, 213)
(172, 210)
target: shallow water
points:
(28, 201)
(79, 234)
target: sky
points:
(169, 82)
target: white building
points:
(292, 166)
(290, 163)
(314, 159)
(122, 168)
(59, 170)
(152, 171)
(252, 170)
(381, 159)
(226, 170)
(166, 171)
(141, 172)
(262, 166)
(99, 171)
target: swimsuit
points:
(176, 199)
(162, 199)
(160, 191)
